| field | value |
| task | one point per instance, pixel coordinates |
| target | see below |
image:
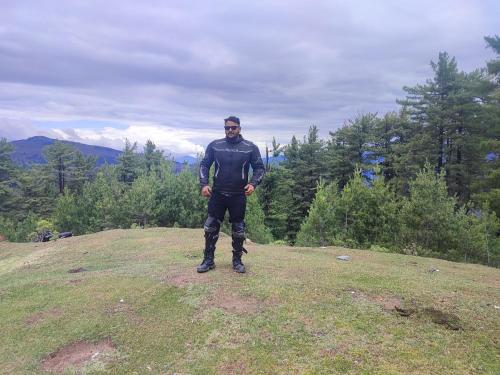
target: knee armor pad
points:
(212, 225)
(238, 229)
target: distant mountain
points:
(186, 159)
(30, 151)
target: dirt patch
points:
(77, 270)
(387, 302)
(77, 355)
(448, 320)
(186, 278)
(36, 318)
(75, 281)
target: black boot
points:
(209, 253)
(238, 251)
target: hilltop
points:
(130, 301)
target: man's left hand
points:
(249, 189)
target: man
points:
(232, 156)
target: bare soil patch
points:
(36, 318)
(236, 304)
(447, 320)
(76, 355)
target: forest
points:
(423, 180)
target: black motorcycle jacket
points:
(232, 159)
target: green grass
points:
(296, 311)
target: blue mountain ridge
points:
(30, 151)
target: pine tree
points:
(68, 167)
(256, 230)
(7, 181)
(129, 163)
(152, 156)
(305, 162)
(349, 146)
(59, 156)
(486, 189)
(428, 221)
(141, 199)
(449, 125)
(320, 228)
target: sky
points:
(98, 72)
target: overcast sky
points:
(170, 71)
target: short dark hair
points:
(232, 119)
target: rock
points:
(344, 257)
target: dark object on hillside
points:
(65, 234)
(450, 321)
(43, 236)
(404, 312)
(77, 270)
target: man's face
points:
(232, 129)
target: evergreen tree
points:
(152, 156)
(366, 213)
(68, 215)
(321, 228)
(449, 124)
(68, 167)
(276, 197)
(59, 156)
(305, 161)
(428, 215)
(141, 199)
(129, 163)
(35, 192)
(256, 230)
(7, 182)
(487, 188)
(349, 146)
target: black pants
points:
(235, 204)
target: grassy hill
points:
(130, 302)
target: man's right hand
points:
(206, 191)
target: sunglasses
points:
(231, 127)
